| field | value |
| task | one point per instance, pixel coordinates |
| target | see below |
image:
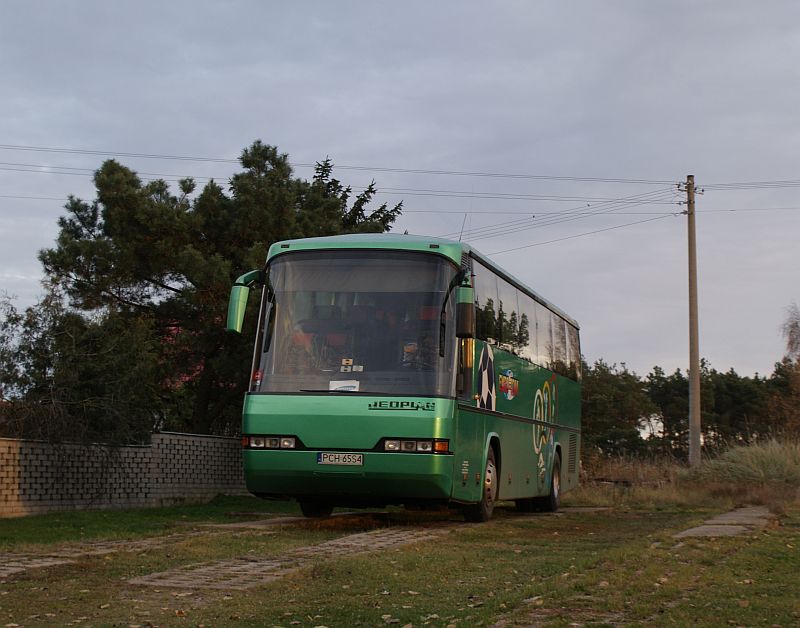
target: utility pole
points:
(694, 349)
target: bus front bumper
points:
(384, 478)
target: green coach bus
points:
(398, 369)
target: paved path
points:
(246, 573)
(11, 563)
(731, 523)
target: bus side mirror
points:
(465, 317)
(237, 304)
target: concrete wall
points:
(37, 477)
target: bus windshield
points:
(356, 321)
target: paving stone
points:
(715, 530)
(13, 564)
(756, 516)
(731, 523)
(246, 573)
(101, 548)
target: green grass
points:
(609, 567)
(93, 525)
(617, 566)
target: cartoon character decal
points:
(487, 397)
(509, 385)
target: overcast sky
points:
(600, 90)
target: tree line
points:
(626, 414)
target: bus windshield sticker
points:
(348, 385)
(509, 385)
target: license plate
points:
(332, 457)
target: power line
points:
(749, 209)
(69, 170)
(752, 185)
(497, 211)
(34, 198)
(579, 235)
(552, 222)
(502, 175)
(461, 173)
(405, 211)
(575, 213)
(488, 230)
(497, 195)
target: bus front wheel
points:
(482, 511)
(316, 510)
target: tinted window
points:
(518, 323)
(559, 345)
(573, 352)
(527, 327)
(486, 305)
(507, 316)
(544, 337)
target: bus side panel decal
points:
(487, 394)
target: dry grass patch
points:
(765, 473)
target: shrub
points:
(770, 462)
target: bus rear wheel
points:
(549, 502)
(316, 510)
(482, 511)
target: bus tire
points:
(316, 510)
(482, 511)
(549, 502)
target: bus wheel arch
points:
(494, 444)
(481, 512)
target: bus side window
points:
(486, 304)
(560, 365)
(573, 353)
(527, 328)
(544, 337)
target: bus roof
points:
(449, 248)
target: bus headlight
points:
(425, 445)
(391, 445)
(287, 443)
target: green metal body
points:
(536, 417)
